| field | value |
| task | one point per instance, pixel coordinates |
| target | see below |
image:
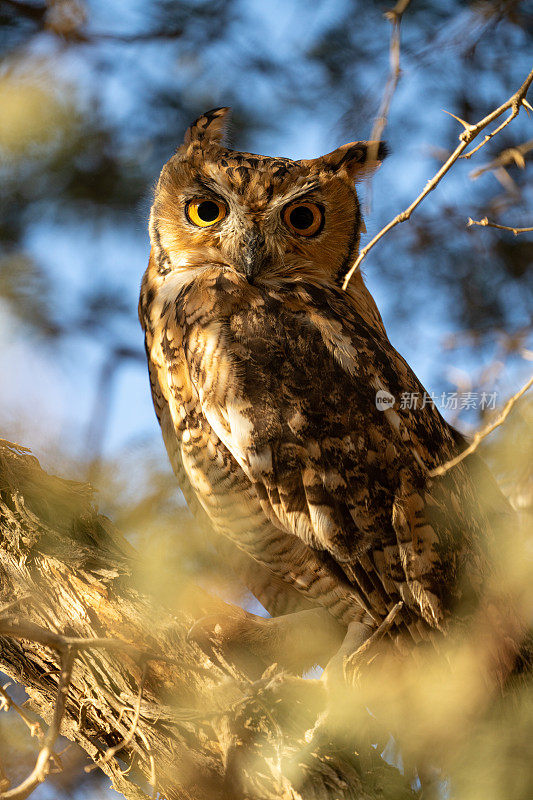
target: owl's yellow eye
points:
(305, 219)
(205, 212)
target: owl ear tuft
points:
(357, 159)
(210, 127)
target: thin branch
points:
(14, 603)
(395, 17)
(112, 751)
(511, 155)
(470, 132)
(152, 778)
(68, 647)
(398, 10)
(8, 703)
(485, 223)
(40, 771)
(60, 643)
(514, 111)
(480, 435)
(489, 136)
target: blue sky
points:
(51, 392)
(48, 392)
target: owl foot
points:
(230, 641)
(294, 641)
(354, 657)
(343, 714)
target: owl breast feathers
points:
(264, 376)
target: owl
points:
(265, 376)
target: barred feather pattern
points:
(267, 404)
(264, 376)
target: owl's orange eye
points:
(305, 219)
(205, 212)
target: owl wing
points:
(277, 596)
(293, 399)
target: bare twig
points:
(10, 606)
(470, 132)
(511, 155)
(68, 647)
(514, 111)
(152, 778)
(480, 435)
(485, 222)
(395, 18)
(60, 643)
(112, 751)
(40, 771)
(8, 703)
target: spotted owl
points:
(264, 376)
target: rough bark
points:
(197, 728)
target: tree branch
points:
(485, 222)
(470, 132)
(395, 17)
(511, 155)
(480, 435)
(189, 726)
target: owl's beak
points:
(253, 255)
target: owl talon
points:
(220, 632)
(225, 639)
(207, 631)
(296, 641)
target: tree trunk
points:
(112, 670)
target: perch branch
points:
(196, 730)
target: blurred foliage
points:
(95, 96)
(93, 103)
(19, 747)
(440, 709)
(432, 713)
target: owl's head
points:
(270, 219)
